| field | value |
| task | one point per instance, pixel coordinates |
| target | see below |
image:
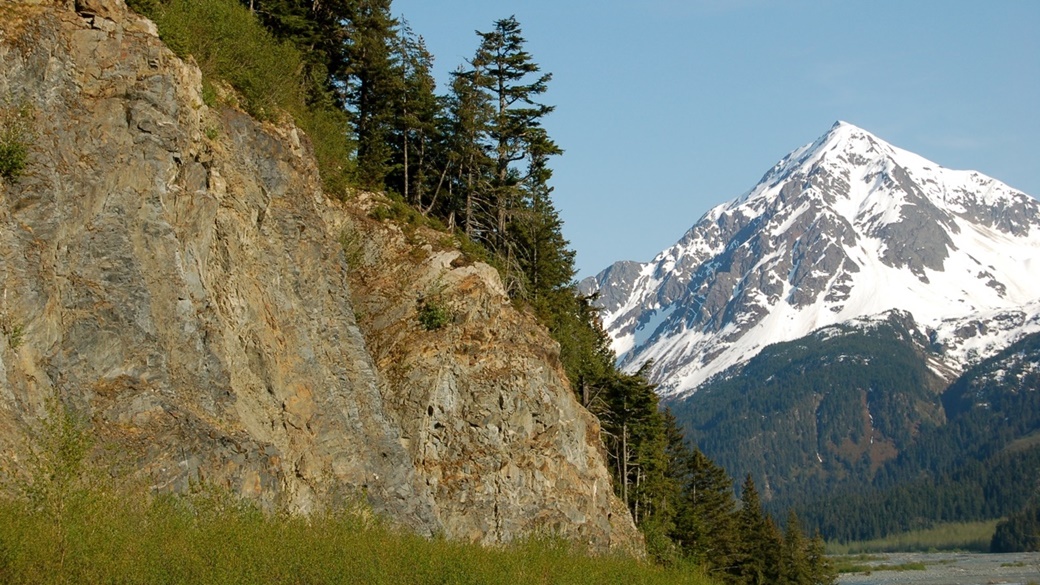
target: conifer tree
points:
(758, 550)
(370, 84)
(632, 406)
(542, 253)
(821, 569)
(466, 125)
(795, 567)
(503, 69)
(706, 519)
(584, 350)
(416, 109)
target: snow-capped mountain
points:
(848, 226)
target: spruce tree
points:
(795, 566)
(543, 257)
(369, 82)
(758, 549)
(705, 526)
(414, 132)
(468, 162)
(504, 70)
(821, 569)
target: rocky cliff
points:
(173, 273)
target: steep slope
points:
(810, 414)
(852, 419)
(845, 227)
(173, 273)
(980, 464)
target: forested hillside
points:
(828, 410)
(847, 427)
(982, 464)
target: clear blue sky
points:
(666, 108)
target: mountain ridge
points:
(844, 227)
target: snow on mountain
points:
(845, 227)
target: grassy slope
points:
(94, 536)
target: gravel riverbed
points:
(952, 569)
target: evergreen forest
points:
(851, 429)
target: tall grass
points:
(109, 538)
(69, 522)
(962, 536)
(270, 77)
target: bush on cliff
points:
(270, 77)
(14, 140)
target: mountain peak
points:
(841, 127)
(845, 227)
(843, 136)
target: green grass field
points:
(966, 536)
(98, 537)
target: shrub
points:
(229, 43)
(433, 314)
(15, 135)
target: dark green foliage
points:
(503, 68)
(370, 85)
(415, 135)
(397, 210)
(495, 103)
(146, 7)
(635, 436)
(809, 415)
(705, 524)
(1020, 532)
(758, 541)
(467, 163)
(13, 157)
(542, 254)
(433, 314)
(896, 456)
(15, 136)
(802, 560)
(973, 467)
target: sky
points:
(666, 108)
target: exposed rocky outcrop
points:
(174, 273)
(483, 408)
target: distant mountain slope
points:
(846, 227)
(849, 426)
(806, 415)
(982, 464)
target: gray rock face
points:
(846, 227)
(174, 273)
(491, 430)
